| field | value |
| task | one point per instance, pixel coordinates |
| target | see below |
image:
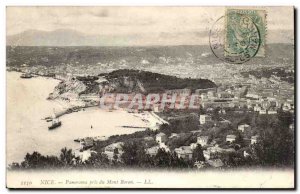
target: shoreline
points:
(28, 130)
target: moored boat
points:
(55, 124)
(55, 121)
(26, 76)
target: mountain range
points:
(60, 37)
(68, 37)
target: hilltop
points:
(126, 80)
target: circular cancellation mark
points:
(245, 51)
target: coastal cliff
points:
(124, 81)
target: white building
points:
(202, 140)
(205, 119)
(262, 112)
(272, 112)
(152, 151)
(193, 145)
(244, 127)
(84, 155)
(215, 152)
(246, 154)
(257, 108)
(230, 138)
(254, 139)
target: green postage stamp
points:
(245, 33)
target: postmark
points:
(217, 45)
(245, 32)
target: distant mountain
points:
(60, 37)
(68, 37)
(134, 57)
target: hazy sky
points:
(142, 25)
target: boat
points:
(26, 76)
(49, 119)
(55, 123)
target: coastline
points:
(29, 132)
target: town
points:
(238, 124)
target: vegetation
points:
(154, 82)
(276, 144)
(198, 154)
(275, 147)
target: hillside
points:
(152, 82)
(125, 81)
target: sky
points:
(140, 25)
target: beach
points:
(26, 132)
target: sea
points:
(26, 131)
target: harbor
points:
(27, 129)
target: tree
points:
(66, 156)
(275, 147)
(216, 115)
(129, 155)
(198, 153)
(116, 157)
(162, 158)
(239, 139)
(202, 110)
(285, 118)
(98, 160)
(32, 160)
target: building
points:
(161, 138)
(215, 152)
(222, 111)
(205, 91)
(263, 112)
(184, 152)
(288, 105)
(84, 155)
(114, 149)
(203, 96)
(205, 119)
(193, 145)
(86, 143)
(246, 154)
(254, 139)
(230, 138)
(152, 151)
(225, 95)
(272, 112)
(202, 140)
(179, 91)
(164, 146)
(209, 154)
(148, 138)
(244, 127)
(252, 96)
(257, 108)
(211, 94)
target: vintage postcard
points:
(150, 97)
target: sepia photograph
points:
(170, 97)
